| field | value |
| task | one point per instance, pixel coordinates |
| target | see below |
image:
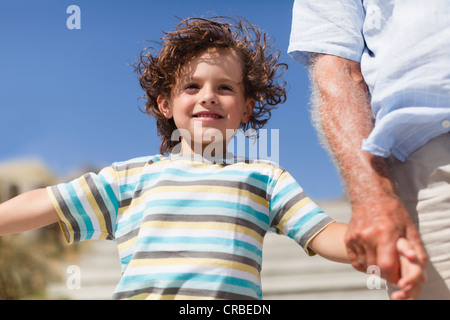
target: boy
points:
(190, 225)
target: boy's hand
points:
(412, 275)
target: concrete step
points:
(93, 277)
(288, 273)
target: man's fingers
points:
(356, 261)
(388, 261)
(356, 254)
(362, 252)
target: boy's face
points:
(208, 99)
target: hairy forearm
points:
(379, 218)
(27, 211)
(342, 110)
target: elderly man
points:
(381, 97)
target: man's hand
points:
(373, 233)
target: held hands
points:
(383, 234)
(411, 273)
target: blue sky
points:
(71, 98)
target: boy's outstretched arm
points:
(30, 210)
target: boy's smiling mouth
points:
(207, 115)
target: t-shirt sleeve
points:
(87, 206)
(294, 214)
(327, 26)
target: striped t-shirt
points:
(187, 229)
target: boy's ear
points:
(164, 107)
(248, 110)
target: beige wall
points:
(23, 175)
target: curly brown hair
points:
(192, 37)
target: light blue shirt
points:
(404, 50)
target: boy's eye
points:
(228, 88)
(191, 87)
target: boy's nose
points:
(208, 98)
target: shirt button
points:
(446, 124)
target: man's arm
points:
(30, 210)
(379, 218)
